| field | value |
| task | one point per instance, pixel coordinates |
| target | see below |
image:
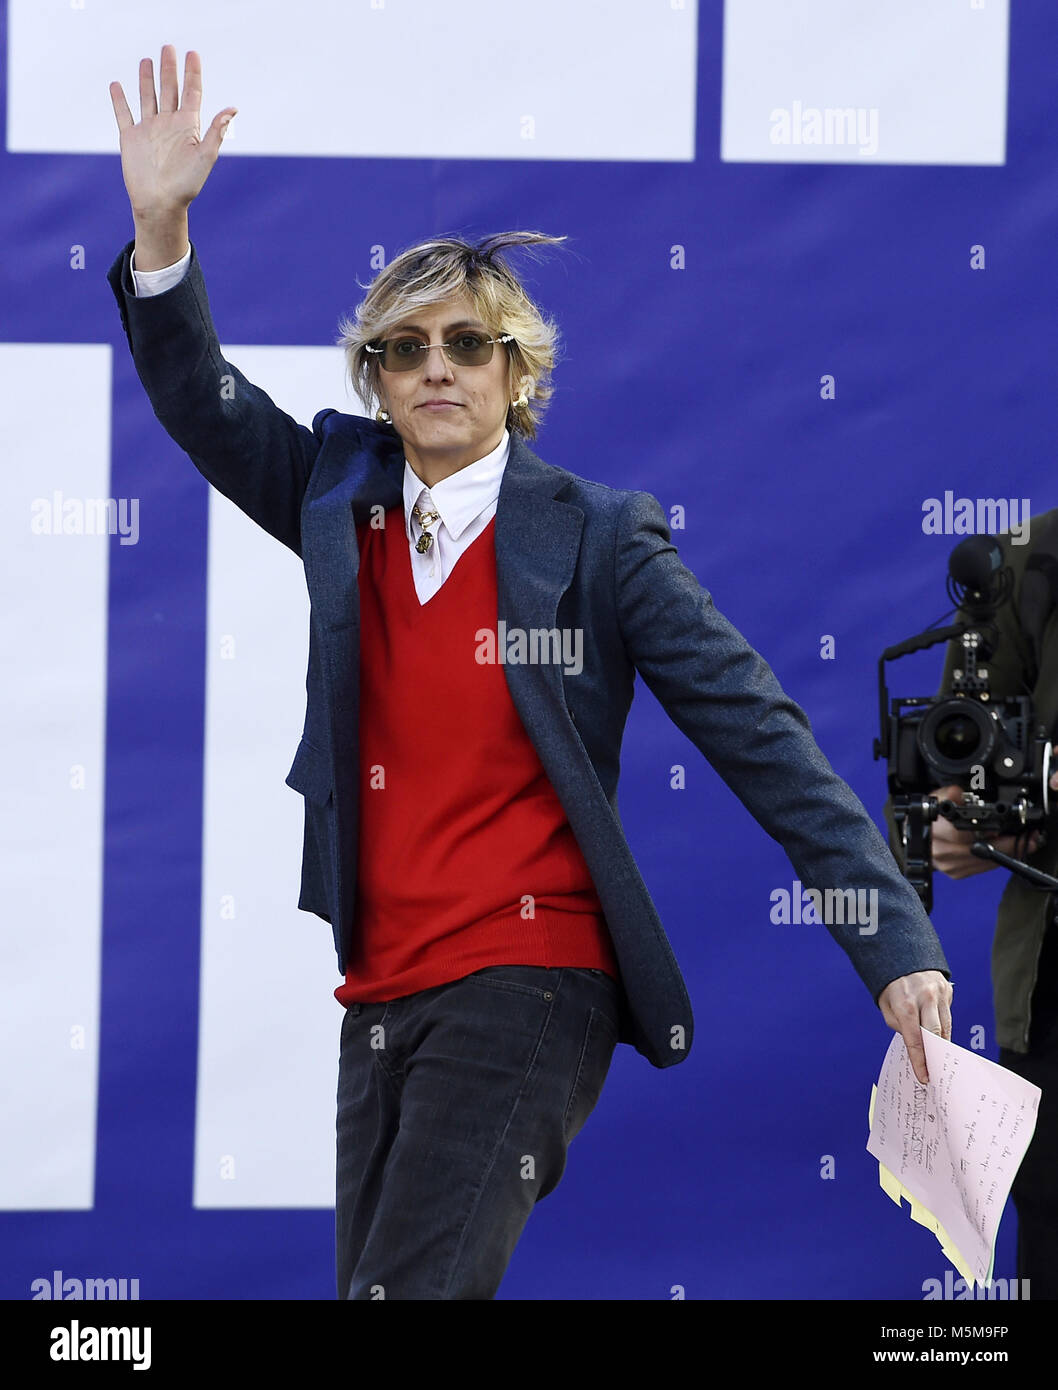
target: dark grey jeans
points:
(455, 1109)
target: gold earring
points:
(383, 416)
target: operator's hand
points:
(164, 160)
(916, 1002)
(951, 846)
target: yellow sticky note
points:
(889, 1183)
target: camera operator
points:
(1025, 947)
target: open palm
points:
(164, 158)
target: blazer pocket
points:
(310, 773)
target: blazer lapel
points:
(537, 540)
(537, 544)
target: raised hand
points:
(164, 159)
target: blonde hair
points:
(448, 268)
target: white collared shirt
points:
(466, 501)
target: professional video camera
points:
(989, 744)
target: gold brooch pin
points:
(422, 545)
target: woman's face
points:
(473, 425)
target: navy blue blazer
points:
(570, 553)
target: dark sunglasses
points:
(405, 354)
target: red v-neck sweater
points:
(466, 858)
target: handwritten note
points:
(952, 1147)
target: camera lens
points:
(955, 735)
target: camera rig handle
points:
(1037, 877)
(914, 817)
